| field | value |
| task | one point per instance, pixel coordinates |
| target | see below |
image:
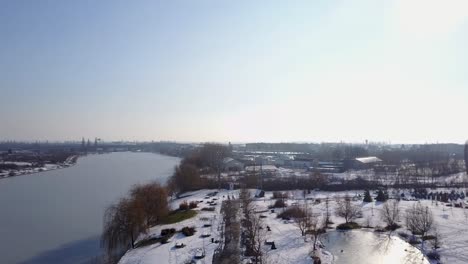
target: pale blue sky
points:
(234, 70)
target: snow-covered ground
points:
(168, 253)
(451, 223)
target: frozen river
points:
(56, 216)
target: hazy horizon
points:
(243, 71)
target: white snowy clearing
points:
(451, 224)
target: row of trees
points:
(466, 156)
(207, 159)
(253, 233)
(125, 220)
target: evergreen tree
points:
(381, 197)
(367, 197)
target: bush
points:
(188, 231)
(379, 229)
(414, 240)
(316, 260)
(210, 209)
(403, 234)
(184, 206)
(280, 195)
(433, 255)
(428, 237)
(279, 203)
(168, 231)
(293, 212)
(193, 205)
(392, 227)
(348, 226)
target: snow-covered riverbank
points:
(26, 168)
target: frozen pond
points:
(365, 247)
(56, 216)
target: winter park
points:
(233, 132)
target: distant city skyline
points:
(239, 71)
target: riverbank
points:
(51, 203)
(70, 161)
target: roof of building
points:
(367, 160)
(260, 168)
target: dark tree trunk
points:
(133, 240)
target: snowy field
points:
(168, 253)
(451, 223)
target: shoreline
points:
(71, 161)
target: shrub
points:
(348, 226)
(184, 206)
(210, 209)
(168, 231)
(279, 203)
(293, 212)
(433, 255)
(188, 231)
(193, 205)
(392, 227)
(414, 240)
(316, 260)
(280, 195)
(165, 240)
(429, 237)
(379, 229)
(403, 234)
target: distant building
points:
(362, 163)
(230, 164)
(300, 162)
(264, 168)
(328, 167)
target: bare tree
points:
(254, 235)
(245, 198)
(185, 178)
(344, 208)
(326, 218)
(419, 220)
(315, 229)
(466, 156)
(436, 242)
(390, 213)
(123, 222)
(213, 155)
(302, 219)
(153, 200)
